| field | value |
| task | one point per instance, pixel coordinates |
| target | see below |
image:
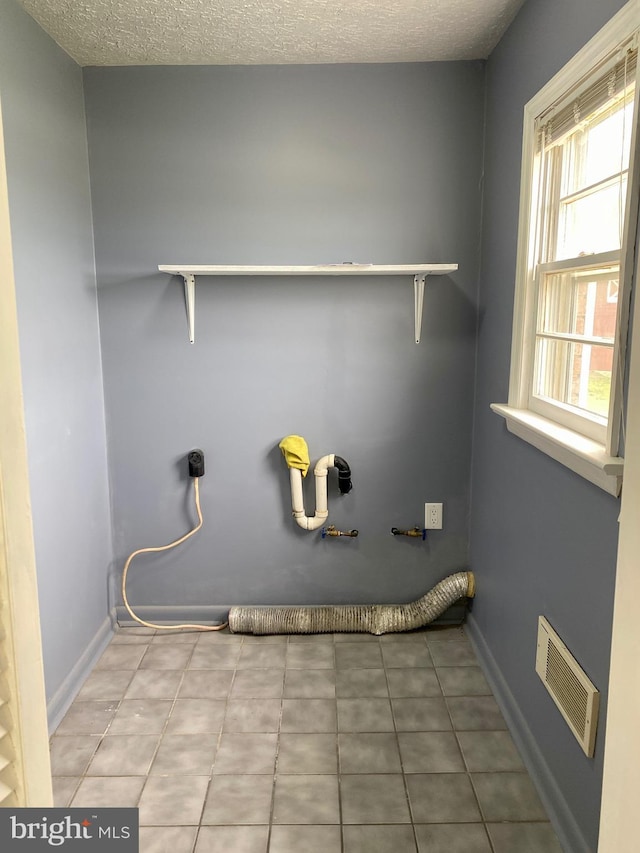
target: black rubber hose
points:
(344, 475)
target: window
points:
(578, 203)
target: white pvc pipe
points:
(297, 501)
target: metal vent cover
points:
(576, 697)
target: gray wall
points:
(543, 540)
(50, 209)
(286, 165)
(294, 165)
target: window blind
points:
(612, 78)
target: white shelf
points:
(418, 271)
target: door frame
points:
(19, 610)
(621, 779)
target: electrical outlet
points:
(196, 463)
(433, 516)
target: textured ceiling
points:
(264, 32)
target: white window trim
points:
(583, 455)
(595, 461)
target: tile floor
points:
(339, 743)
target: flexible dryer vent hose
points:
(362, 618)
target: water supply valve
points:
(416, 531)
(331, 531)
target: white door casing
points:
(621, 781)
(25, 771)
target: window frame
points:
(590, 453)
(567, 414)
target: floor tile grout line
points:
(89, 760)
(275, 763)
(227, 699)
(217, 745)
(219, 738)
(166, 722)
(471, 779)
(468, 774)
(337, 741)
(109, 724)
(175, 698)
(405, 782)
(337, 745)
(118, 702)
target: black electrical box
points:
(196, 463)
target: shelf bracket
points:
(418, 288)
(190, 300)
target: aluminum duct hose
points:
(347, 618)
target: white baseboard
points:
(567, 829)
(214, 614)
(168, 614)
(59, 703)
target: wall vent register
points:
(418, 271)
(576, 697)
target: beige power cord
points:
(196, 491)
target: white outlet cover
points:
(433, 516)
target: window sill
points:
(582, 455)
